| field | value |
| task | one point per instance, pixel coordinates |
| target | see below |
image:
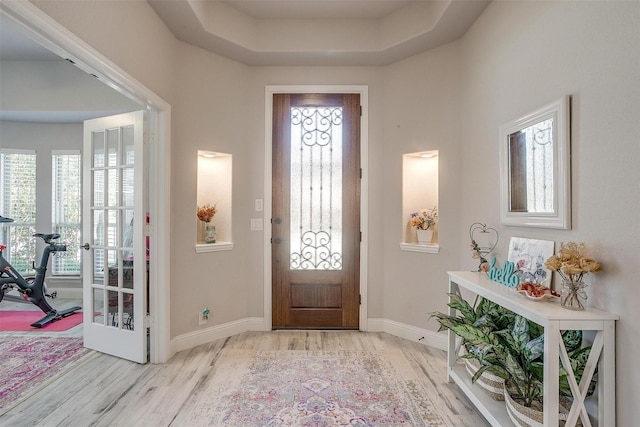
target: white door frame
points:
(53, 36)
(363, 90)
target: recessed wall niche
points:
(214, 188)
(419, 191)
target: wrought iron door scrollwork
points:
(315, 253)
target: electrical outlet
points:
(203, 316)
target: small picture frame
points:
(529, 256)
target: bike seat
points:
(47, 237)
(5, 219)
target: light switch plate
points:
(258, 205)
(256, 224)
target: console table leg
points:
(607, 376)
(552, 339)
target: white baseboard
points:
(67, 293)
(225, 330)
(409, 332)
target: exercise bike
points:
(33, 289)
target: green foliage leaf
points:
(537, 369)
(472, 335)
(572, 340)
(520, 332)
(496, 370)
(458, 303)
(505, 319)
(534, 348)
(445, 320)
(515, 368)
(483, 321)
(535, 330)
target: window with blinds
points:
(66, 210)
(18, 201)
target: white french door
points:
(115, 259)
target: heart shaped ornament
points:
(486, 238)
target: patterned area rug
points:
(30, 362)
(312, 388)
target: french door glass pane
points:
(98, 306)
(316, 188)
(113, 137)
(127, 145)
(97, 144)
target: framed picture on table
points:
(529, 256)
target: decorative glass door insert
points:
(316, 188)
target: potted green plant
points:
(486, 315)
(516, 355)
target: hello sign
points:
(505, 275)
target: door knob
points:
(277, 240)
(86, 246)
(277, 220)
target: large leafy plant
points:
(516, 355)
(484, 314)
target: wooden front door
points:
(316, 211)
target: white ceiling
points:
(16, 46)
(318, 32)
(284, 32)
(316, 9)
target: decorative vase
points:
(210, 233)
(424, 236)
(574, 296)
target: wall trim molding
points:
(409, 332)
(249, 324)
(65, 293)
(212, 333)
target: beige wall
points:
(517, 57)
(521, 55)
(209, 113)
(421, 112)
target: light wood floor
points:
(103, 390)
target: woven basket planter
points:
(490, 384)
(532, 417)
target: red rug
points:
(18, 321)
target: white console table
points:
(554, 319)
